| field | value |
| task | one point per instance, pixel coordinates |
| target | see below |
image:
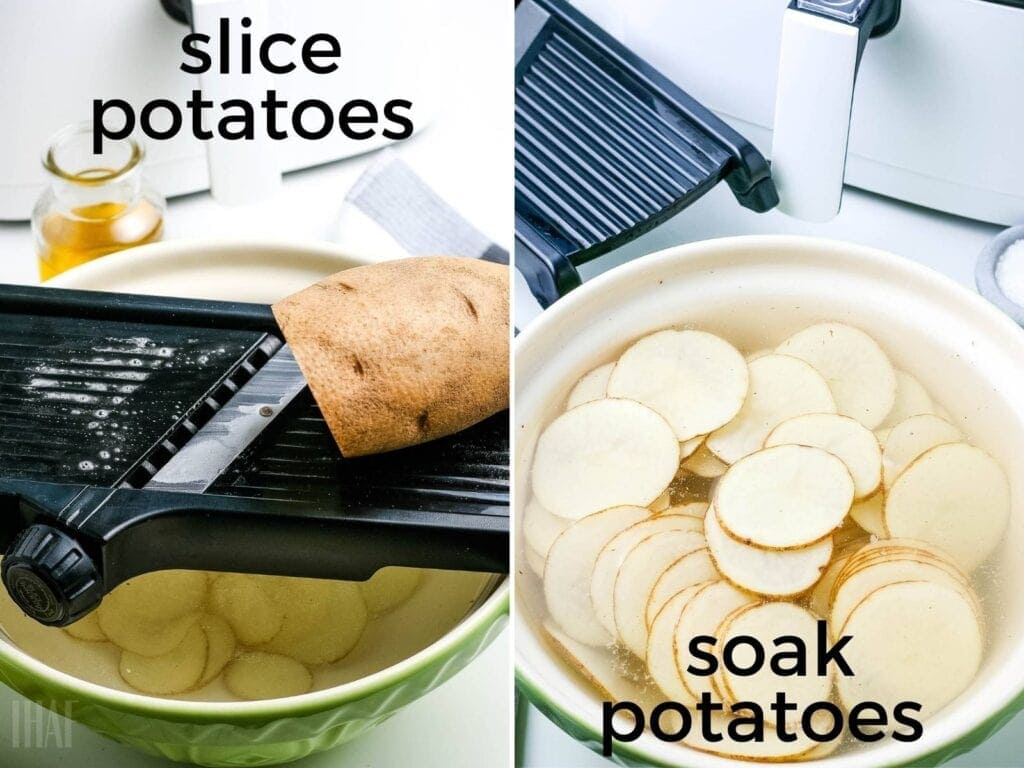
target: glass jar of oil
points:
(96, 203)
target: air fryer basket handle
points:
(822, 43)
(240, 171)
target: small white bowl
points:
(755, 291)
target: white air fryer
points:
(919, 100)
(56, 56)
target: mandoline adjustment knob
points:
(50, 577)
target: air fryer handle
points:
(822, 43)
(248, 170)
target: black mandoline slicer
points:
(144, 433)
(607, 148)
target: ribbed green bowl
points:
(256, 733)
(250, 733)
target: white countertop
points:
(466, 156)
(945, 243)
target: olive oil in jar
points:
(96, 203)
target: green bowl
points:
(246, 733)
(262, 732)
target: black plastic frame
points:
(548, 261)
(117, 533)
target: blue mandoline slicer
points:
(607, 148)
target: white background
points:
(466, 156)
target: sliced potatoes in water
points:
(781, 387)
(784, 497)
(602, 454)
(220, 646)
(389, 587)
(245, 605)
(605, 571)
(811, 484)
(697, 381)
(176, 671)
(259, 675)
(858, 372)
(87, 628)
(323, 619)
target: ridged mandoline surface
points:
(81, 401)
(596, 154)
(467, 472)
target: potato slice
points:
(902, 545)
(536, 561)
(867, 513)
(252, 614)
(912, 641)
(766, 622)
(824, 748)
(591, 386)
(853, 587)
(954, 496)
(171, 673)
(150, 614)
(775, 573)
(758, 354)
(595, 665)
(912, 399)
(689, 447)
(703, 614)
(820, 601)
(849, 536)
(614, 552)
(603, 454)
(87, 628)
(912, 437)
(159, 596)
(142, 637)
(570, 565)
(858, 372)
(323, 619)
(783, 497)
(883, 552)
(220, 646)
(258, 675)
(695, 509)
(692, 568)
(704, 463)
(389, 587)
(781, 387)
(660, 504)
(660, 654)
(636, 578)
(846, 438)
(541, 528)
(771, 749)
(696, 380)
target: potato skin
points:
(402, 352)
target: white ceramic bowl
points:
(755, 291)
